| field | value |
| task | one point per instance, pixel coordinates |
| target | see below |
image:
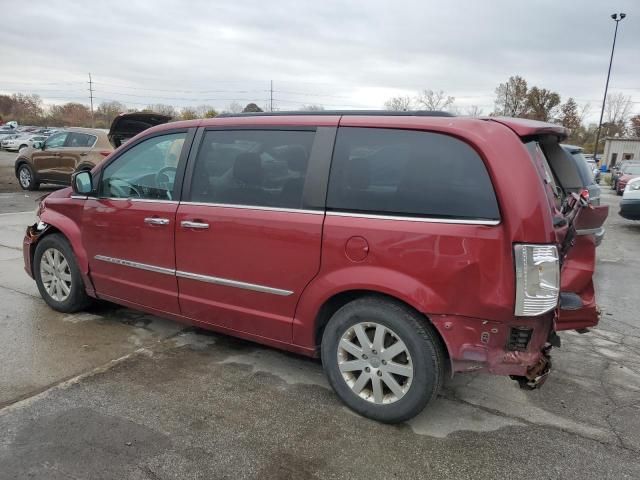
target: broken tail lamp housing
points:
(537, 279)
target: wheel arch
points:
(19, 162)
(338, 300)
(57, 223)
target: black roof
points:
(386, 113)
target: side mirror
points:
(82, 183)
(38, 144)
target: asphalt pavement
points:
(111, 393)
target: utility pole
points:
(617, 18)
(271, 97)
(91, 98)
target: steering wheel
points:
(123, 189)
(165, 183)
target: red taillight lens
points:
(104, 153)
(584, 194)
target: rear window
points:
(409, 173)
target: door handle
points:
(195, 225)
(156, 221)
(83, 154)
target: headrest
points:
(248, 169)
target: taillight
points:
(104, 153)
(537, 279)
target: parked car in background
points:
(595, 170)
(617, 171)
(334, 235)
(76, 149)
(628, 172)
(60, 155)
(7, 131)
(584, 181)
(630, 203)
(19, 142)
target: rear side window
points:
(79, 140)
(252, 167)
(409, 173)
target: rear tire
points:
(27, 177)
(399, 370)
(57, 275)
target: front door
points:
(246, 242)
(47, 160)
(128, 230)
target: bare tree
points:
(617, 108)
(311, 108)
(634, 126)
(432, 100)
(399, 104)
(163, 109)
(474, 111)
(584, 111)
(511, 97)
(188, 113)
(233, 107)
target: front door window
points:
(147, 170)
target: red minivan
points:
(398, 247)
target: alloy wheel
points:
(25, 177)
(375, 363)
(55, 274)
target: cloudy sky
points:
(338, 54)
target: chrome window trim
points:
(233, 283)
(137, 200)
(255, 207)
(457, 221)
(79, 197)
(195, 276)
(138, 265)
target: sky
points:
(338, 54)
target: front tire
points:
(382, 359)
(57, 275)
(27, 177)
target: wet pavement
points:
(112, 393)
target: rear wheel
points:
(57, 275)
(382, 359)
(27, 178)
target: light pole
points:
(617, 17)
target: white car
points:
(630, 204)
(18, 142)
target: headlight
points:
(634, 186)
(537, 279)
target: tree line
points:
(515, 98)
(30, 110)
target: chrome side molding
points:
(233, 283)
(195, 276)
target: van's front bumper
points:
(31, 236)
(519, 348)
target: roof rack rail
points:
(386, 113)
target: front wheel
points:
(57, 275)
(382, 359)
(27, 178)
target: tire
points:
(423, 357)
(55, 246)
(27, 177)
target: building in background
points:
(617, 149)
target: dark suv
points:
(390, 245)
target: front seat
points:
(246, 187)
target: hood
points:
(128, 125)
(626, 177)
